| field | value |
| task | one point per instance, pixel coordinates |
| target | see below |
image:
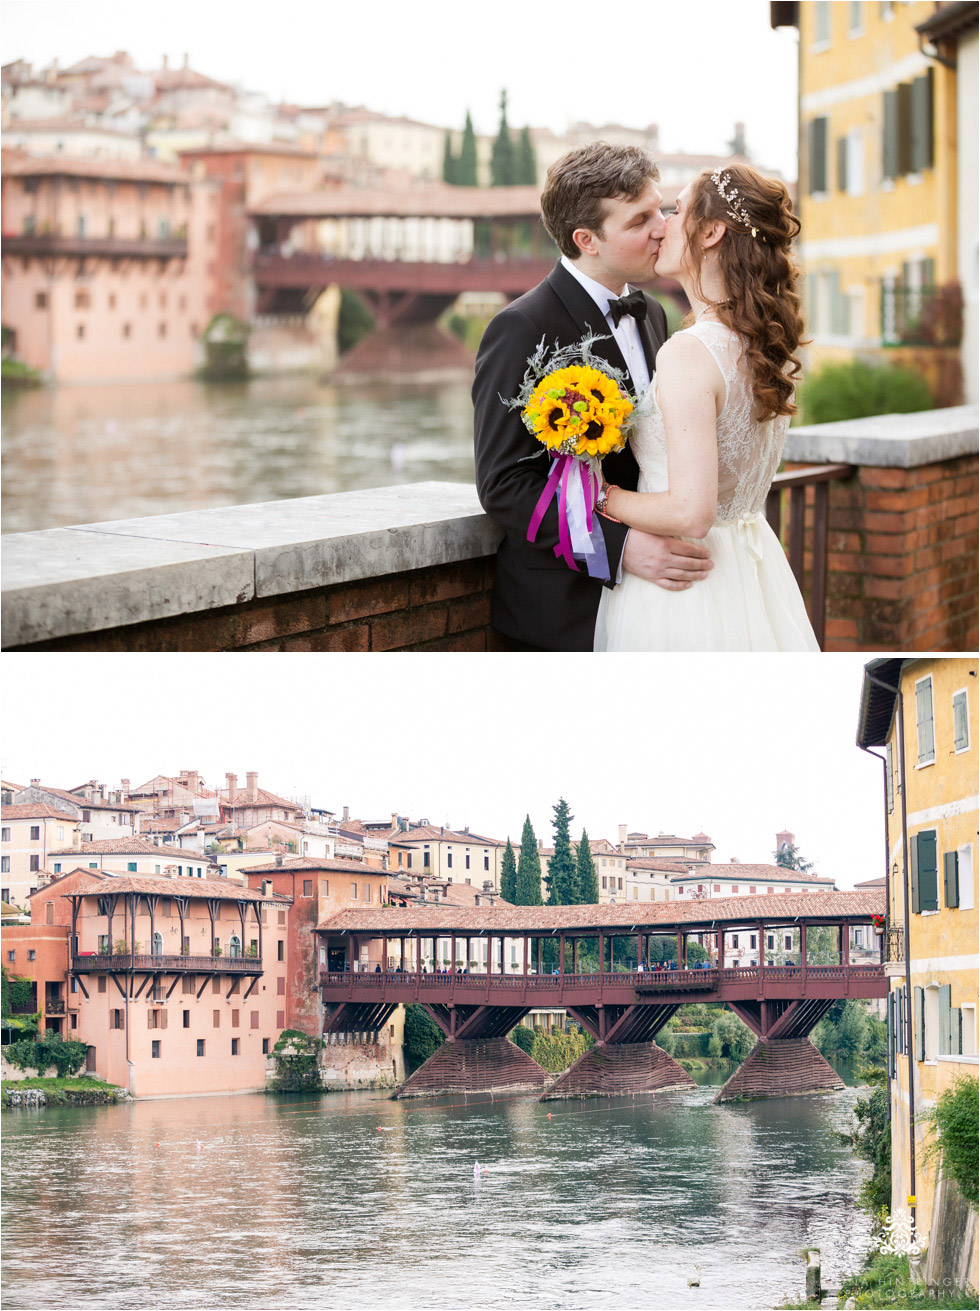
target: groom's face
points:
(628, 245)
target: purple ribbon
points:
(597, 563)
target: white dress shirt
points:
(626, 332)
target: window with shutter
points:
(925, 727)
(926, 866)
(964, 876)
(961, 722)
(945, 998)
(818, 155)
(889, 142)
(920, 123)
(951, 880)
(904, 128)
(842, 163)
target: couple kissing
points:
(667, 548)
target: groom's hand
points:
(669, 562)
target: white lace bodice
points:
(748, 451)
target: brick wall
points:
(781, 1067)
(481, 1065)
(440, 608)
(901, 558)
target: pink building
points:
(179, 985)
(107, 266)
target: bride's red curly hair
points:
(760, 274)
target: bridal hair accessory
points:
(577, 406)
(736, 209)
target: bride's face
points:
(674, 258)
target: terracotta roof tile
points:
(176, 887)
(341, 864)
(739, 873)
(503, 918)
(35, 810)
(127, 847)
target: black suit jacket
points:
(537, 598)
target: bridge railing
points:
(647, 980)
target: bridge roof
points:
(503, 918)
(434, 201)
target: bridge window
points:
(788, 942)
(751, 940)
(158, 944)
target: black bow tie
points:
(634, 302)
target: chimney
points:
(165, 64)
(279, 859)
(35, 782)
(346, 814)
(231, 786)
(124, 786)
(622, 836)
(734, 860)
(251, 787)
(540, 844)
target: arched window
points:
(158, 944)
(234, 945)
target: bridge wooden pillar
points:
(602, 953)
(720, 937)
(525, 955)
(561, 954)
(803, 954)
(845, 954)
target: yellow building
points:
(924, 714)
(879, 125)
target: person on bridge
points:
(601, 204)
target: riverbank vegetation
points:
(296, 1056)
(82, 1091)
(45, 1050)
(955, 1122)
(885, 1284)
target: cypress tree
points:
(562, 875)
(588, 880)
(528, 891)
(503, 161)
(527, 163)
(450, 164)
(466, 160)
(508, 875)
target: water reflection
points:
(85, 454)
(355, 1200)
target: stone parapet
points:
(392, 568)
(615, 1069)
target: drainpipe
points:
(897, 691)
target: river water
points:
(355, 1201)
(86, 454)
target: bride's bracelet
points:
(602, 499)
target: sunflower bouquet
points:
(578, 407)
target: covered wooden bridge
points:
(479, 971)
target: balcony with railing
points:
(49, 244)
(127, 962)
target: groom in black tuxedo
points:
(601, 205)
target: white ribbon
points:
(750, 526)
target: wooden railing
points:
(41, 243)
(819, 477)
(82, 963)
(644, 980)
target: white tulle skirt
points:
(749, 602)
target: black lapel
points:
(586, 315)
(649, 340)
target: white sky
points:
(694, 68)
(739, 747)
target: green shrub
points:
(354, 320)
(523, 1037)
(65, 1054)
(854, 390)
(886, 1282)
(872, 1139)
(557, 1051)
(296, 1056)
(954, 1122)
(730, 1037)
(422, 1037)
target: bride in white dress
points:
(709, 433)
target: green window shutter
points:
(914, 873)
(961, 729)
(945, 997)
(951, 879)
(889, 144)
(921, 123)
(924, 726)
(818, 155)
(892, 1034)
(919, 1024)
(904, 128)
(842, 163)
(928, 870)
(956, 1031)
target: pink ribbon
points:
(557, 481)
